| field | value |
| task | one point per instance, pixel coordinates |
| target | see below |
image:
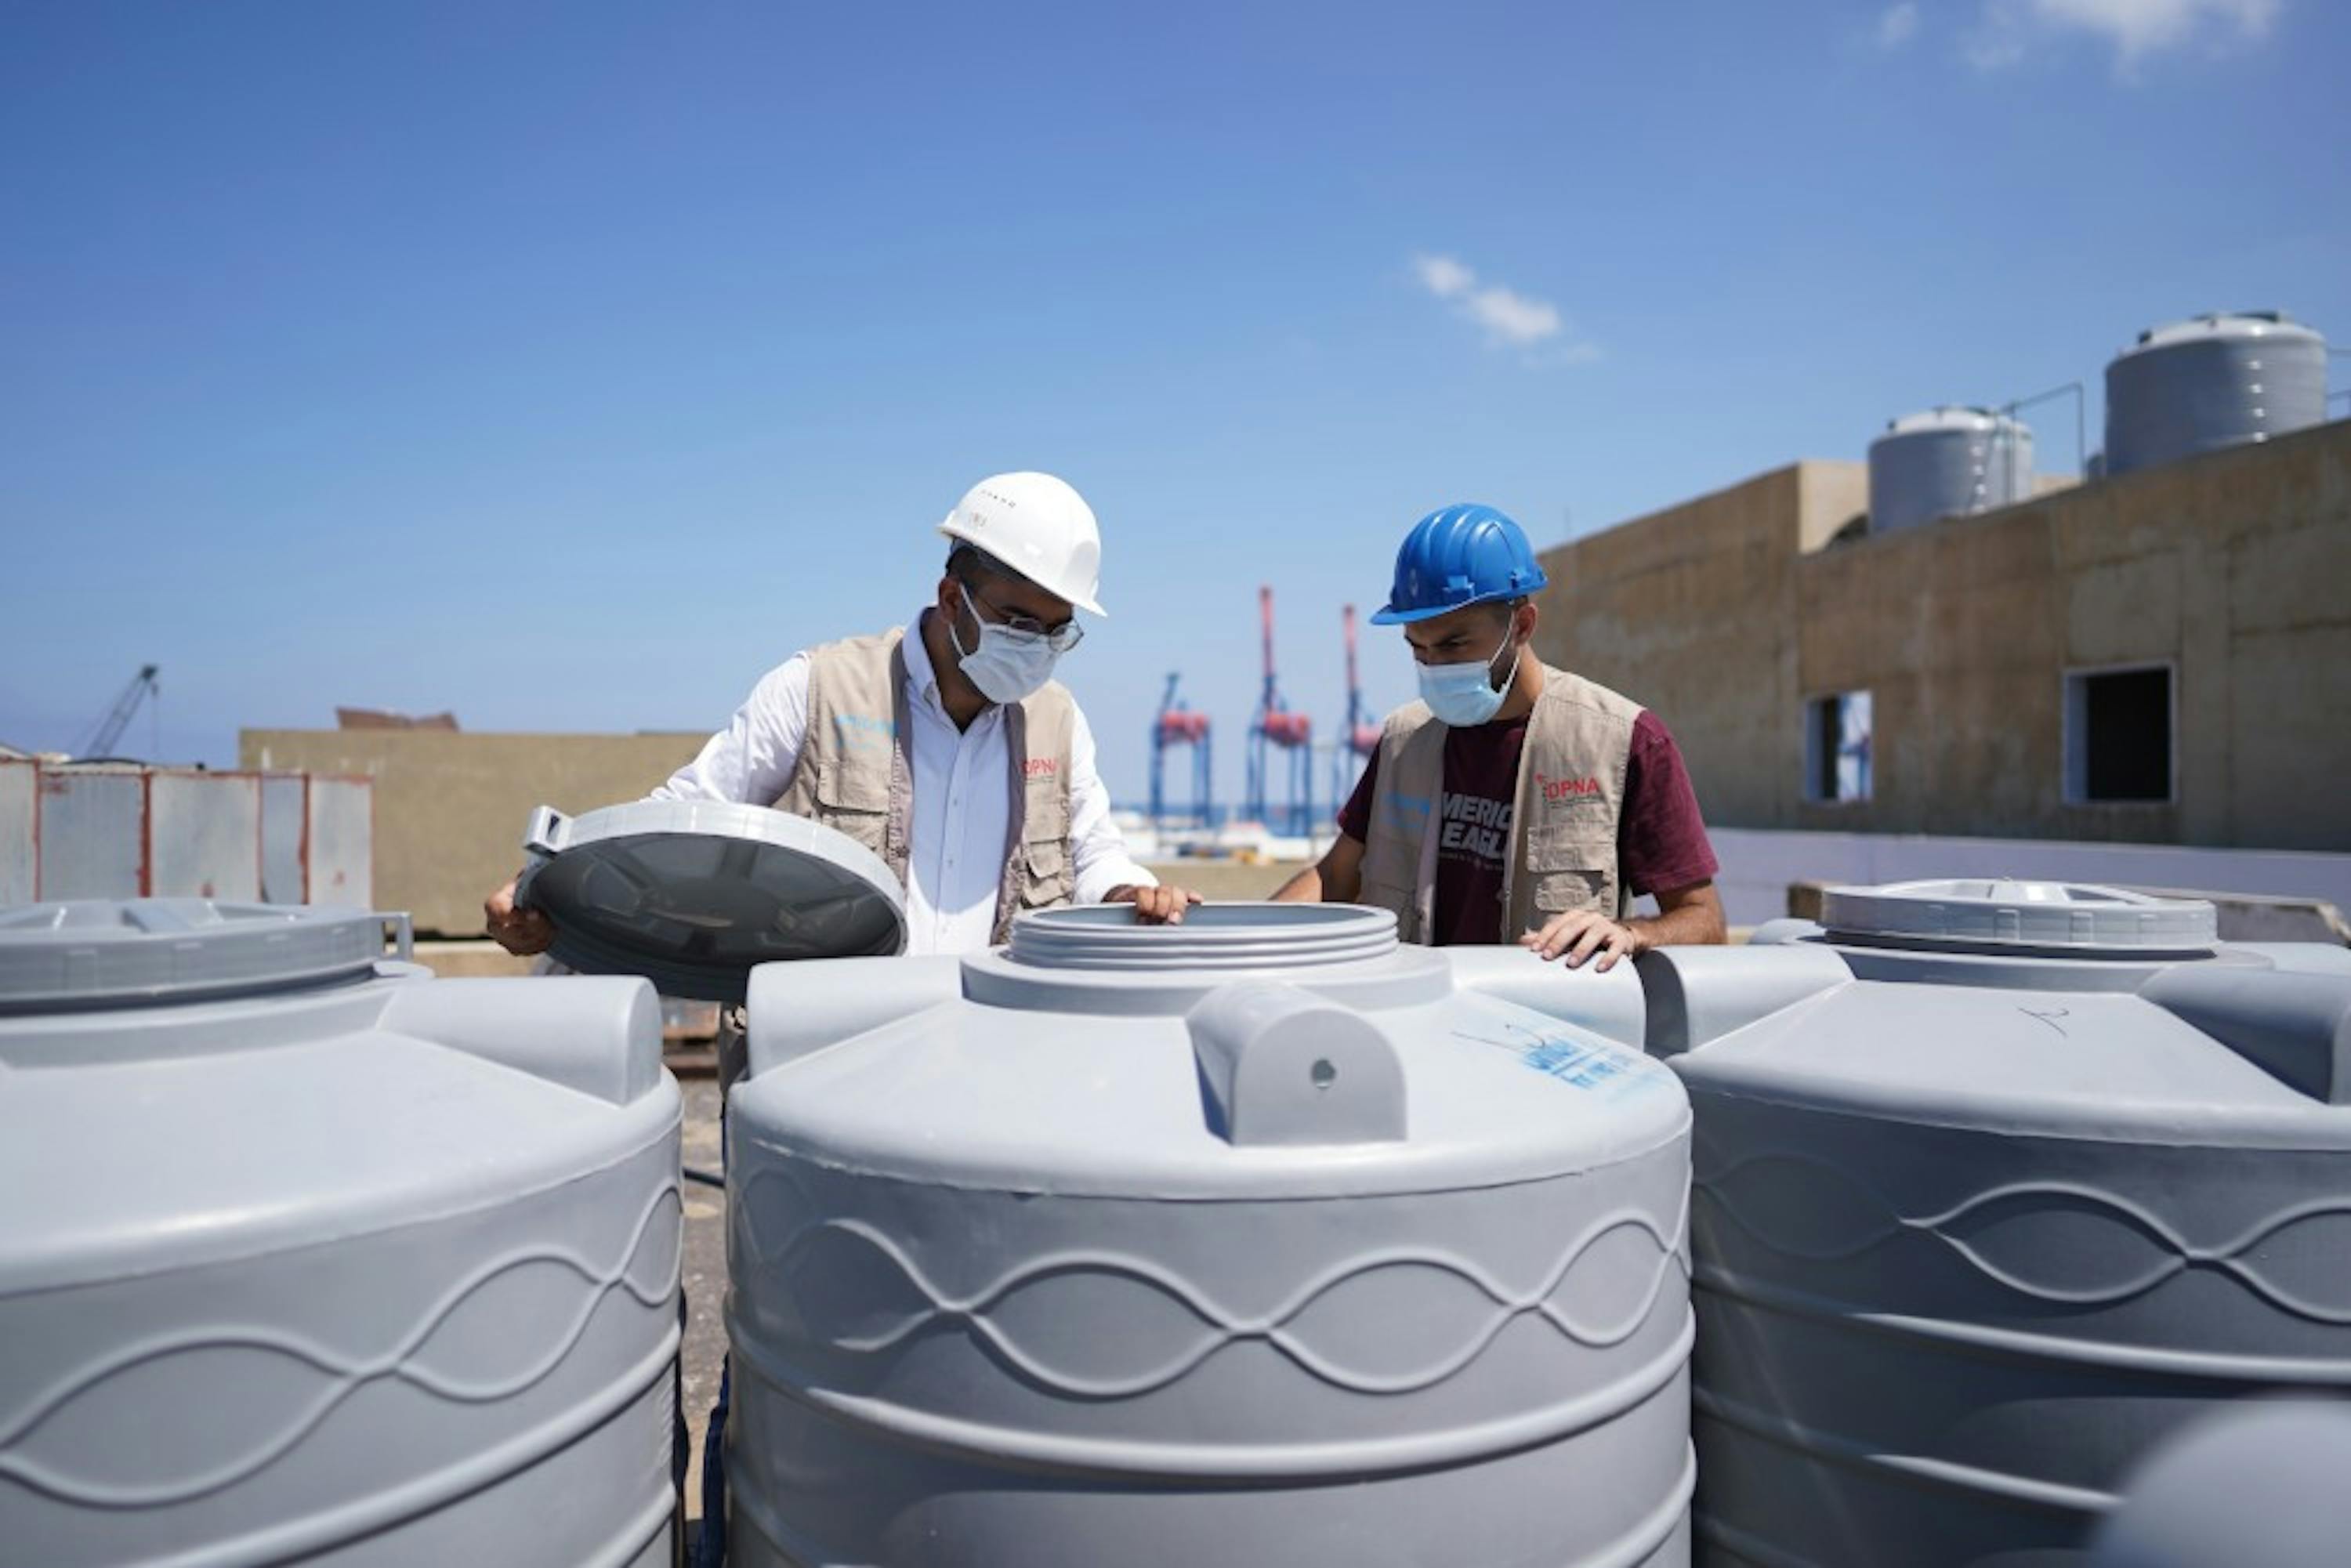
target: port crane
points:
(1359, 737)
(1277, 728)
(108, 733)
(1173, 726)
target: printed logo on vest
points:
(1040, 767)
(1568, 791)
(1413, 807)
(863, 730)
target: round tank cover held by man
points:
(693, 893)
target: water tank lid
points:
(114, 953)
(692, 894)
(1974, 912)
(1215, 936)
(2224, 324)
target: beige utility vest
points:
(855, 775)
(1568, 801)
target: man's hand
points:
(1687, 917)
(1153, 905)
(521, 932)
(1580, 934)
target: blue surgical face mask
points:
(1467, 694)
(1007, 666)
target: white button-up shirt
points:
(962, 806)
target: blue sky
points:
(568, 365)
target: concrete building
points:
(2164, 657)
(450, 808)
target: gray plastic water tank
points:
(1254, 1240)
(2216, 381)
(305, 1256)
(2257, 1485)
(1996, 1186)
(1947, 463)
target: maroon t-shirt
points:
(1661, 841)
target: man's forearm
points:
(1306, 887)
(1691, 926)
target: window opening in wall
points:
(1836, 747)
(2118, 734)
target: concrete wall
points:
(1690, 612)
(1725, 613)
(450, 808)
(19, 843)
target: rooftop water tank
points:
(1947, 463)
(2213, 381)
(1257, 1239)
(1996, 1186)
(307, 1256)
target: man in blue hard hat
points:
(1514, 801)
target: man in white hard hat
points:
(950, 752)
(947, 749)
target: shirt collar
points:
(922, 675)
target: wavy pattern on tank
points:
(646, 1255)
(893, 1322)
(1825, 1214)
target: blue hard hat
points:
(1457, 555)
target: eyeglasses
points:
(1060, 639)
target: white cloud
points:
(1511, 318)
(1445, 278)
(2136, 28)
(1898, 25)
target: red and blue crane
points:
(1360, 740)
(1175, 724)
(1276, 728)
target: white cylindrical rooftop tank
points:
(1945, 462)
(2216, 381)
(1997, 1184)
(309, 1256)
(1258, 1240)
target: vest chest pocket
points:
(1572, 870)
(1047, 876)
(854, 800)
(1565, 891)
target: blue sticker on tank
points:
(1572, 1062)
(1588, 1064)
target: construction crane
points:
(102, 739)
(1359, 740)
(1173, 726)
(1276, 728)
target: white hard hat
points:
(1036, 526)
